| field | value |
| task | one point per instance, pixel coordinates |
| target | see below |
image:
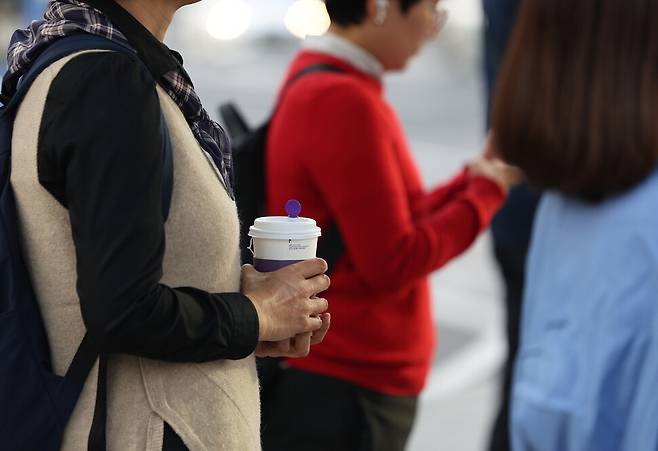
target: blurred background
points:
(239, 49)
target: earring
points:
(382, 12)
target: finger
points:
(308, 268)
(317, 284)
(319, 334)
(317, 306)
(264, 349)
(260, 350)
(273, 348)
(311, 324)
(300, 345)
(283, 346)
(477, 168)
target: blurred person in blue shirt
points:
(512, 225)
(577, 109)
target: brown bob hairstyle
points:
(576, 105)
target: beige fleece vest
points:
(212, 406)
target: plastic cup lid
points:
(284, 228)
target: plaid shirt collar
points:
(166, 66)
(106, 18)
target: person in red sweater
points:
(337, 146)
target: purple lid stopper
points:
(293, 208)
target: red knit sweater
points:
(337, 146)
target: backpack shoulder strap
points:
(313, 68)
(87, 352)
(60, 49)
(77, 43)
(331, 247)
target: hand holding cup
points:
(284, 282)
(283, 298)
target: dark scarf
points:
(66, 17)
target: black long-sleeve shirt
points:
(100, 155)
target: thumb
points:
(248, 268)
(249, 271)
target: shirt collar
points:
(157, 57)
(339, 47)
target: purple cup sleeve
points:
(264, 265)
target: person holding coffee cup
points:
(337, 146)
(163, 299)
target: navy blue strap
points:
(60, 49)
(88, 352)
(77, 43)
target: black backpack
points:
(36, 403)
(249, 147)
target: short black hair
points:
(353, 12)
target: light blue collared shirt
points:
(586, 375)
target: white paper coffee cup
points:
(279, 241)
